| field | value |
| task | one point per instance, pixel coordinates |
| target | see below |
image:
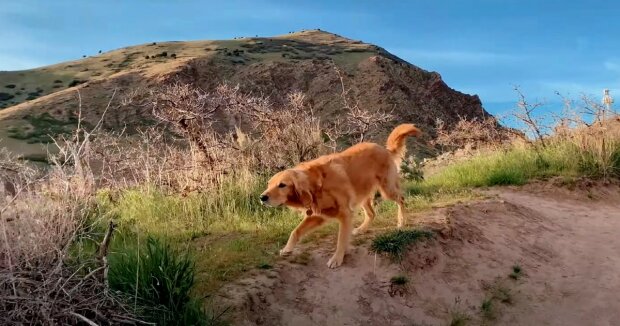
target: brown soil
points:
(565, 241)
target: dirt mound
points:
(518, 258)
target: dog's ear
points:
(306, 192)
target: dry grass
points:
(582, 143)
(40, 217)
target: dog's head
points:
(290, 187)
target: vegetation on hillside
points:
(182, 202)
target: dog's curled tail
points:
(396, 141)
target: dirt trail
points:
(566, 242)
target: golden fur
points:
(333, 186)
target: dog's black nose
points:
(264, 198)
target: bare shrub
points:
(358, 122)
(473, 133)
(525, 113)
(38, 224)
(277, 136)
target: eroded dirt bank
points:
(566, 243)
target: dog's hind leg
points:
(390, 189)
(369, 215)
(308, 224)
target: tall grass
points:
(227, 227)
(592, 152)
(158, 280)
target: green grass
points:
(399, 280)
(517, 272)
(42, 127)
(158, 279)
(229, 232)
(228, 227)
(395, 243)
(517, 166)
(487, 309)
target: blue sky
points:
(480, 47)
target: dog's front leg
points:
(308, 224)
(344, 233)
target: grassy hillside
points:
(44, 102)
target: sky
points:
(482, 47)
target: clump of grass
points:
(399, 280)
(158, 280)
(265, 266)
(516, 272)
(395, 243)
(459, 318)
(398, 285)
(487, 309)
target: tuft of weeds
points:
(396, 243)
(264, 266)
(459, 318)
(398, 285)
(399, 280)
(157, 279)
(517, 272)
(487, 309)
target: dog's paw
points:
(359, 230)
(285, 252)
(335, 261)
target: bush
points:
(76, 82)
(6, 96)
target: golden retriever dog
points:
(333, 186)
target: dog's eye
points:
(281, 185)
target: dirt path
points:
(566, 243)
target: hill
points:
(44, 101)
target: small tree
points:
(359, 122)
(525, 113)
